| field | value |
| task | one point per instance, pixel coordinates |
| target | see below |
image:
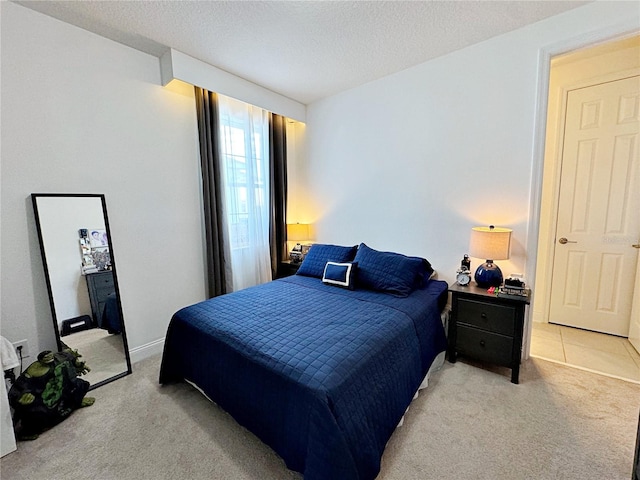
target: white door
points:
(598, 224)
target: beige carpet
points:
(559, 423)
(103, 352)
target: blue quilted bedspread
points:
(321, 374)
(110, 319)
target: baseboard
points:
(147, 350)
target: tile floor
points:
(598, 352)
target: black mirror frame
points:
(34, 197)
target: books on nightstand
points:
(516, 293)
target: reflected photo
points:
(98, 238)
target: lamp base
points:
(488, 275)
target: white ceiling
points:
(305, 50)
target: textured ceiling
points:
(305, 50)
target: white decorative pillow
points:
(340, 274)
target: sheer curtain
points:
(244, 145)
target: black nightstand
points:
(287, 268)
(486, 327)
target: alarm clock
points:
(463, 274)
(463, 277)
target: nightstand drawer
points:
(494, 318)
(103, 292)
(103, 279)
(484, 345)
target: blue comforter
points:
(110, 319)
(321, 374)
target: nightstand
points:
(287, 268)
(486, 327)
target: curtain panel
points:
(208, 132)
(278, 190)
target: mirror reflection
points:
(81, 278)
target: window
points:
(244, 131)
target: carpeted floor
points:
(103, 352)
(471, 423)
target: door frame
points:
(618, 31)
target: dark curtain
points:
(207, 111)
(277, 190)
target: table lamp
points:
(297, 232)
(491, 243)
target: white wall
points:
(84, 114)
(412, 161)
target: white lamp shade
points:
(297, 232)
(490, 243)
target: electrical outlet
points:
(24, 344)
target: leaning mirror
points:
(80, 271)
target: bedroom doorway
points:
(594, 268)
(577, 71)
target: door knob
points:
(564, 241)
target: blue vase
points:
(488, 275)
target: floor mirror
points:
(82, 282)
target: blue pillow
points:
(340, 274)
(424, 272)
(390, 272)
(318, 256)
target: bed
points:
(319, 366)
(110, 319)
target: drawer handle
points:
(482, 343)
(483, 316)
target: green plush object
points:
(48, 391)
